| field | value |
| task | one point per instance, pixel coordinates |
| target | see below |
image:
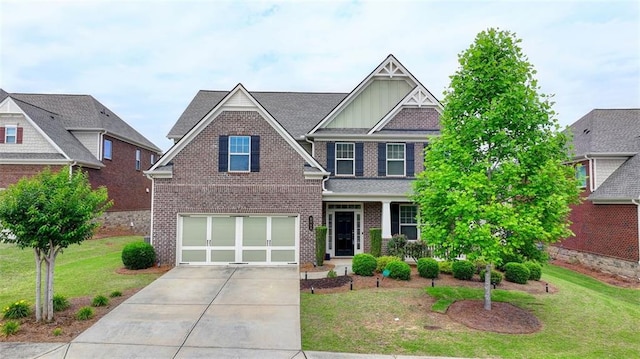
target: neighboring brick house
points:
(252, 173)
(606, 144)
(52, 130)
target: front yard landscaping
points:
(580, 318)
(82, 272)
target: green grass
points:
(584, 319)
(81, 270)
(445, 296)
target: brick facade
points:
(197, 185)
(609, 230)
(10, 174)
(415, 118)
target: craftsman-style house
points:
(252, 173)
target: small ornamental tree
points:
(495, 181)
(49, 212)
(321, 244)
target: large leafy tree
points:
(495, 181)
(50, 212)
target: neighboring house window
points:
(395, 159)
(107, 149)
(345, 159)
(153, 159)
(239, 154)
(581, 175)
(409, 221)
(11, 134)
(137, 160)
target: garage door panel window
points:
(254, 255)
(223, 232)
(194, 231)
(254, 231)
(283, 255)
(219, 255)
(283, 231)
(194, 255)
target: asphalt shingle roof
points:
(607, 131)
(370, 186)
(297, 112)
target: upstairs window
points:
(239, 154)
(11, 134)
(107, 149)
(152, 160)
(345, 159)
(395, 159)
(137, 160)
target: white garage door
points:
(211, 239)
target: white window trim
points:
(404, 160)
(248, 154)
(138, 165)
(15, 134)
(408, 224)
(584, 180)
(352, 159)
(104, 155)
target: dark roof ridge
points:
(36, 106)
(286, 92)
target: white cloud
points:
(146, 60)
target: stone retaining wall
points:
(126, 223)
(605, 264)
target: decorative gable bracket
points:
(391, 69)
(419, 97)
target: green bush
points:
(463, 270)
(397, 246)
(399, 270)
(84, 313)
(60, 303)
(416, 250)
(17, 310)
(57, 332)
(383, 261)
(428, 268)
(364, 264)
(376, 241)
(10, 327)
(509, 258)
(332, 274)
(445, 267)
(99, 301)
(535, 270)
(138, 255)
(516, 272)
(496, 277)
(321, 244)
(115, 293)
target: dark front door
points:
(344, 234)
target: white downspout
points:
(591, 173)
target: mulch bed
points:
(502, 318)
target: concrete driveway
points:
(201, 312)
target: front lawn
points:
(583, 319)
(81, 270)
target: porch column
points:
(386, 219)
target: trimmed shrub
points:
(399, 270)
(321, 244)
(397, 246)
(332, 274)
(516, 273)
(383, 261)
(496, 277)
(57, 332)
(364, 264)
(535, 270)
(100, 301)
(84, 313)
(445, 267)
(428, 268)
(115, 293)
(60, 303)
(138, 255)
(480, 265)
(17, 310)
(463, 270)
(10, 327)
(376, 241)
(416, 250)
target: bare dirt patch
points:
(502, 318)
(42, 332)
(309, 267)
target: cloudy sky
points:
(145, 60)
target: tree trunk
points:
(51, 261)
(36, 254)
(487, 287)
